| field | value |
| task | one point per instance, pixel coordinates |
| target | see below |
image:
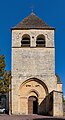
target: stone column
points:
(33, 41)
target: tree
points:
(5, 76)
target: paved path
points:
(28, 117)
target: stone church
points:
(35, 87)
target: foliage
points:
(5, 76)
(2, 65)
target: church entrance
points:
(32, 105)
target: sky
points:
(51, 11)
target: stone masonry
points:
(33, 72)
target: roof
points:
(58, 79)
(32, 22)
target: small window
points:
(40, 42)
(25, 41)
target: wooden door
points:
(32, 105)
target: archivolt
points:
(37, 80)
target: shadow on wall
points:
(46, 106)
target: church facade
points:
(35, 87)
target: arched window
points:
(25, 41)
(40, 42)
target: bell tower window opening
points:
(25, 42)
(40, 42)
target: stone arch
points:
(40, 40)
(33, 92)
(25, 42)
(32, 87)
(37, 80)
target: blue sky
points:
(51, 11)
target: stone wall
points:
(46, 107)
(64, 108)
(17, 37)
(53, 104)
(32, 62)
(57, 103)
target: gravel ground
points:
(28, 117)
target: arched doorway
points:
(31, 94)
(32, 105)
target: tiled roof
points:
(32, 21)
(58, 79)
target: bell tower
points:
(33, 69)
